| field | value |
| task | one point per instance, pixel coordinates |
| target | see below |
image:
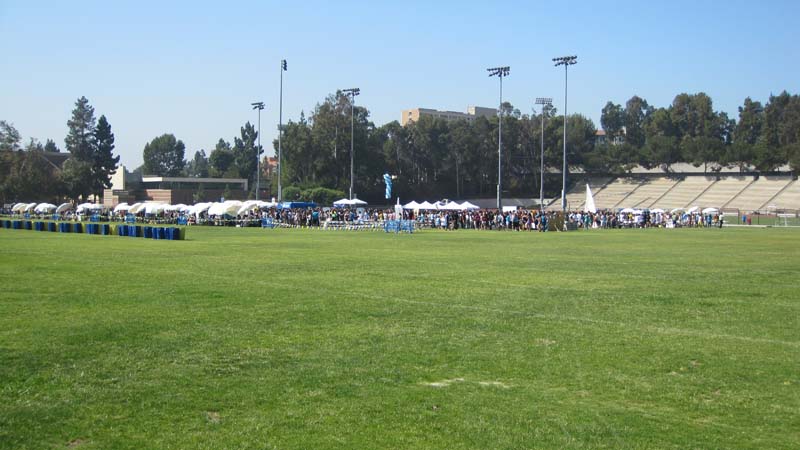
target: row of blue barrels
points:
(167, 233)
(398, 226)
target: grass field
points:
(248, 338)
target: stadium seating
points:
(577, 195)
(648, 192)
(758, 194)
(684, 193)
(615, 192)
(788, 198)
(723, 191)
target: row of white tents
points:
(445, 206)
(589, 206)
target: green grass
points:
(250, 338)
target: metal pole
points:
(258, 156)
(352, 138)
(280, 132)
(500, 151)
(541, 167)
(564, 167)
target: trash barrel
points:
(148, 232)
(51, 226)
(77, 228)
(105, 229)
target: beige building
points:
(413, 115)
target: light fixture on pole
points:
(352, 92)
(565, 61)
(546, 103)
(500, 72)
(280, 132)
(259, 106)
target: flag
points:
(387, 180)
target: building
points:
(132, 187)
(600, 138)
(413, 115)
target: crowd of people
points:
(519, 219)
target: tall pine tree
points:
(104, 163)
(81, 131)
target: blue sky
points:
(193, 68)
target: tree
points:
(50, 146)
(198, 166)
(76, 178)
(9, 137)
(79, 140)
(163, 156)
(637, 112)
(612, 119)
(221, 159)
(104, 163)
(246, 153)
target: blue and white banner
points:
(387, 180)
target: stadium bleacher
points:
(684, 192)
(723, 191)
(576, 196)
(648, 192)
(757, 195)
(615, 192)
(788, 198)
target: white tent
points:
(229, 207)
(693, 209)
(342, 202)
(411, 205)
(356, 201)
(427, 205)
(88, 207)
(468, 205)
(657, 211)
(710, 211)
(42, 208)
(247, 207)
(627, 210)
(122, 207)
(18, 207)
(30, 207)
(589, 204)
(136, 208)
(673, 211)
(64, 207)
(200, 208)
(155, 208)
(451, 206)
(173, 208)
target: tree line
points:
(26, 172)
(431, 158)
(434, 158)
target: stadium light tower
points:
(500, 72)
(352, 92)
(565, 61)
(546, 103)
(280, 132)
(259, 106)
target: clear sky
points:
(193, 68)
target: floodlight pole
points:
(546, 104)
(500, 72)
(280, 133)
(565, 61)
(352, 92)
(259, 106)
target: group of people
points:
(519, 219)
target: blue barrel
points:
(77, 228)
(148, 232)
(105, 229)
(122, 230)
(28, 225)
(51, 226)
(139, 231)
(64, 227)
(160, 233)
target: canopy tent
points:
(411, 205)
(589, 204)
(18, 207)
(174, 208)
(657, 211)
(468, 205)
(247, 207)
(136, 208)
(427, 205)
(674, 210)
(229, 207)
(200, 208)
(64, 207)
(42, 208)
(30, 207)
(122, 207)
(155, 208)
(693, 209)
(263, 204)
(627, 210)
(349, 202)
(710, 211)
(89, 207)
(451, 206)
